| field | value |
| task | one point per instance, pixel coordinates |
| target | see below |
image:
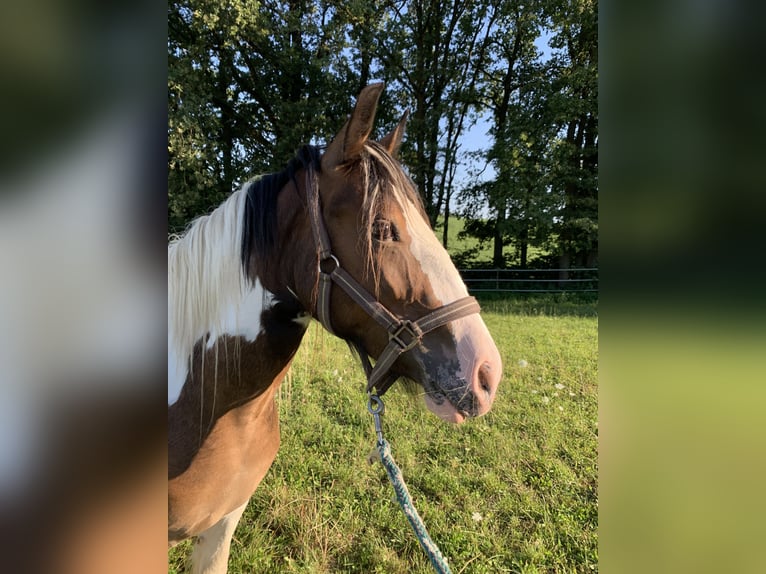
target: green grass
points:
(513, 491)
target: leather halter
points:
(403, 334)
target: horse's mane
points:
(384, 180)
(260, 211)
(204, 276)
(207, 265)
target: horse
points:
(339, 236)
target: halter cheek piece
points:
(403, 334)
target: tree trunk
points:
(498, 261)
(523, 247)
(564, 262)
(445, 233)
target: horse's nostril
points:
(484, 379)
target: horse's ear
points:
(350, 139)
(393, 140)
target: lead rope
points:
(376, 407)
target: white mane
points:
(205, 279)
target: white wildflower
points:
(477, 517)
(559, 386)
(546, 400)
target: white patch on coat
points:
(178, 369)
(243, 319)
(474, 344)
(238, 319)
(434, 260)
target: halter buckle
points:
(407, 335)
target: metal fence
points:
(583, 280)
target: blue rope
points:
(405, 501)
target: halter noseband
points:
(403, 334)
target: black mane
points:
(259, 230)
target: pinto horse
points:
(341, 237)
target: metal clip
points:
(376, 407)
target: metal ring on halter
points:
(331, 257)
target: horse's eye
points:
(383, 230)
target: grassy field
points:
(513, 491)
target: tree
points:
(545, 121)
(574, 103)
(430, 51)
(525, 168)
(248, 83)
(511, 81)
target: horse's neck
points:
(235, 367)
(247, 349)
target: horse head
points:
(370, 224)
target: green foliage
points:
(513, 491)
(432, 54)
(574, 104)
(470, 245)
(249, 82)
(544, 151)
